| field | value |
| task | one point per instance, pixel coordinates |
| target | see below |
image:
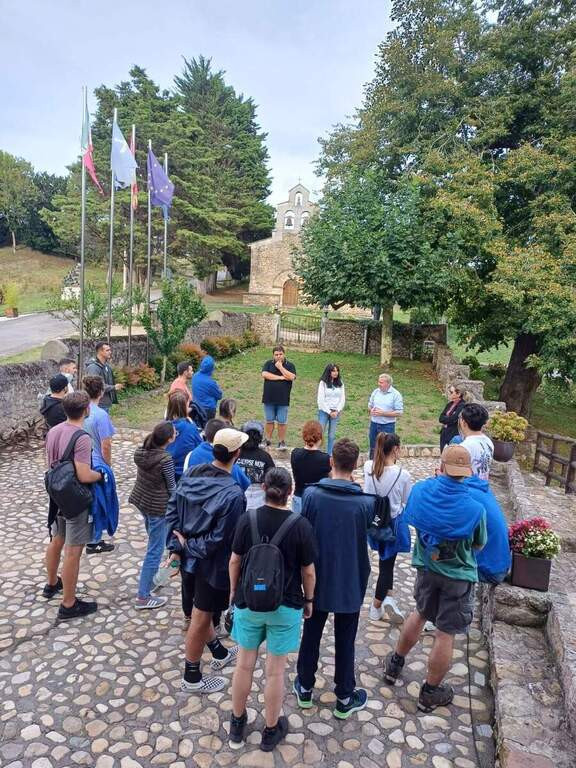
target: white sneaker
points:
(230, 657)
(374, 614)
(391, 611)
(429, 626)
(206, 685)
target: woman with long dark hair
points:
(331, 401)
(154, 484)
(227, 410)
(449, 416)
(383, 478)
(187, 433)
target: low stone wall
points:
(20, 385)
(352, 335)
(449, 372)
(265, 327)
(219, 323)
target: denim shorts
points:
(277, 413)
(280, 628)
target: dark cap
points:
(58, 383)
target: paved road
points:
(22, 333)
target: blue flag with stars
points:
(160, 186)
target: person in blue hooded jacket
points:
(340, 515)
(187, 433)
(450, 526)
(205, 390)
(494, 560)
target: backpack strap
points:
(253, 513)
(395, 481)
(284, 528)
(68, 453)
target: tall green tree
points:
(17, 192)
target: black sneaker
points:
(76, 611)
(52, 589)
(392, 667)
(432, 697)
(304, 698)
(356, 702)
(282, 446)
(271, 737)
(237, 729)
(97, 549)
(267, 443)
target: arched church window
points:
(289, 220)
(298, 198)
(304, 218)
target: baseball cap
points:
(231, 439)
(58, 383)
(456, 460)
(257, 426)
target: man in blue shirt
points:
(340, 514)
(384, 406)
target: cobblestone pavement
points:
(104, 691)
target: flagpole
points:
(165, 224)
(131, 254)
(149, 265)
(82, 245)
(110, 256)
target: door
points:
(290, 294)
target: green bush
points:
(186, 352)
(140, 376)
(498, 370)
(210, 347)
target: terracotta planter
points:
(530, 572)
(503, 450)
(11, 312)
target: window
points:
(298, 198)
(289, 220)
(304, 218)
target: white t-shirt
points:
(381, 486)
(481, 450)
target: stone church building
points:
(272, 278)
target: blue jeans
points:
(375, 430)
(156, 530)
(329, 428)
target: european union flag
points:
(160, 186)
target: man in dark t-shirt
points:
(278, 375)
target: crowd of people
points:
(265, 555)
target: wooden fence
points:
(560, 454)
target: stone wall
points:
(270, 267)
(265, 327)
(219, 324)
(20, 385)
(407, 339)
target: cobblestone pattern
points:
(104, 691)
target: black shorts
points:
(208, 599)
(449, 603)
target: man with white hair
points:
(384, 406)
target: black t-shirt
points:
(298, 548)
(255, 462)
(308, 467)
(277, 392)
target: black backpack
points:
(70, 495)
(382, 528)
(262, 576)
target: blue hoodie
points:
(494, 560)
(205, 391)
(204, 454)
(105, 505)
(187, 438)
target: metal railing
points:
(560, 453)
(301, 329)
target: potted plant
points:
(11, 297)
(533, 544)
(506, 429)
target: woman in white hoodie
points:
(331, 400)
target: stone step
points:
(531, 720)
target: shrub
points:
(498, 370)
(534, 538)
(507, 426)
(186, 352)
(249, 339)
(11, 295)
(140, 376)
(209, 346)
(220, 347)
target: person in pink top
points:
(70, 535)
(182, 382)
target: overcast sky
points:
(303, 63)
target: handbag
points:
(383, 529)
(70, 495)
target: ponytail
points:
(385, 444)
(159, 436)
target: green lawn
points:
(500, 355)
(240, 377)
(29, 356)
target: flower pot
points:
(530, 572)
(11, 312)
(503, 450)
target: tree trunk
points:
(521, 382)
(13, 240)
(386, 341)
(163, 372)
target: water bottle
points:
(163, 574)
